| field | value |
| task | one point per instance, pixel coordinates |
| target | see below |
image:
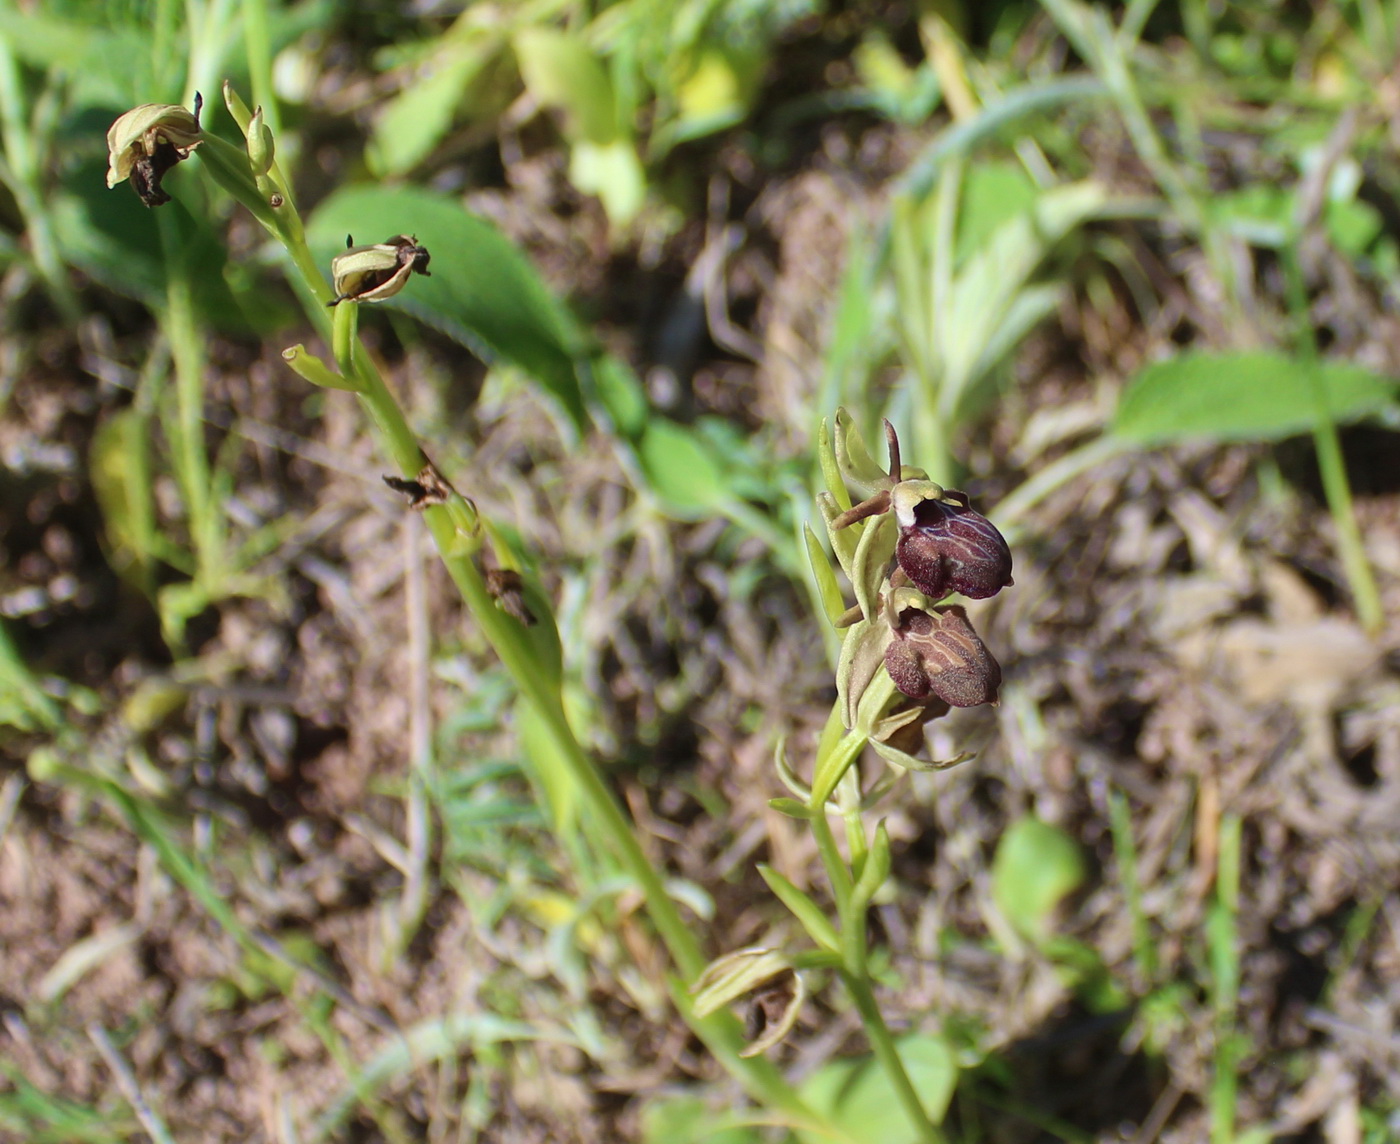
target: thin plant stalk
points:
(509, 640)
(1330, 464)
(842, 752)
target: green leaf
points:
(833, 603)
(1245, 396)
(483, 291)
(806, 911)
(416, 119)
(856, 1095)
(561, 72)
(613, 172)
(1036, 866)
(689, 1120)
(682, 470)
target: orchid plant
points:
(908, 656)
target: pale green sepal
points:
(872, 556)
(873, 699)
(895, 757)
(831, 472)
(824, 577)
(843, 540)
(852, 456)
(806, 911)
(732, 975)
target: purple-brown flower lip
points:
(936, 654)
(945, 546)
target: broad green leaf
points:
(611, 171)
(416, 119)
(682, 471)
(689, 1120)
(1246, 396)
(806, 911)
(561, 71)
(119, 470)
(857, 1096)
(110, 236)
(483, 291)
(1035, 867)
(992, 194)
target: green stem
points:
(1330, 462)
(855, 965)
(720, 1032)
(191, 459)
(882, 1043)
(536, 681)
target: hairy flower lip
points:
(145, 142)
(945, 545)
(937, 654)
(378, 271)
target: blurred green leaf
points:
(613, 172)
(689, 1120)
(115, 240)
(1036, 866)
(993, 193)
(417, 118)
(483, 291)
(855, 1094)
(682, 470)
(23, 703)
(119, 471)
(561, 72)
(1244, 396)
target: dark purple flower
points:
(944, 546)
(938, 654)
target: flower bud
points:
(937, 654)
(944, 546)
(261, 148)
(146, 142)
(373, 273)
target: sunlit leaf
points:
(857, 1096)
(1036, 866)
(1247, 396)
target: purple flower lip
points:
(937, 654)
(945, 546)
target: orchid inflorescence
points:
(905, 548)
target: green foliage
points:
(1035, 868)
(689, 1120)
(1243, 396)
(858, 1097)
(30, 1114)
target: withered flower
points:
(944, 546)
(373, 273)
(936, 654)
(147, 141)
(767, 979)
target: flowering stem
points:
(837, 755)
